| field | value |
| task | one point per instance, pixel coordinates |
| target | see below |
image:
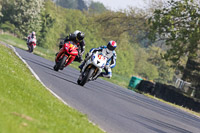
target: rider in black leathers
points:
(78, 38)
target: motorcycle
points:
(70, 52)
(31, 44)
(92, 68)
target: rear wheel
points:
(85, 76)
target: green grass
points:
(27, 107)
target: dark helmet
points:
(111, 45)
(80, 36)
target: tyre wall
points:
(169, 93)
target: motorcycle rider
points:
(31, 36)
(109, 52)
(78, 38)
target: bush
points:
(7, 26)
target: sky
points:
(122, 4)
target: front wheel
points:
(55, 67)
(30, 47)
(60, 64)
(85, 76)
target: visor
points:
(111, 47)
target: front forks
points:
(97, 71)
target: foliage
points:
(81, 5)
(143, 67)
(166, 73)
(114, 24)
(1, 8)
(67, 3)
(58, 23)
(47, 23)
(178, 25)
(7, 26)
(97, 7)
(7, 10)
(25, 15)
(72, 4)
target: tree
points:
(97, 7)
(1, 8)
(178, 24)
(24, 14)
(166, 73)
(72, 4)
(115, 24)
(82, 5)
(68, 3)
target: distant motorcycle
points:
(92, 68)
(70, 50)
(31, 44)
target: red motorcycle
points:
(31, 44)
(65, 56)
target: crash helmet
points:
(111, 45)
(80, 36)
(33, 33)
(76, 32)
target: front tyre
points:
(30, 48)
(60, 64)
(85, 76)
(55, 67)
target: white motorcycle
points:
(92, 68)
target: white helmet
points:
(33, 33)
(111, 45)
(76, 32)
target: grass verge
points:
(27, 107)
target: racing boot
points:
(81, 66)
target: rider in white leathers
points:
(31, 36)
(109, 52)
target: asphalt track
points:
(113, 108)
